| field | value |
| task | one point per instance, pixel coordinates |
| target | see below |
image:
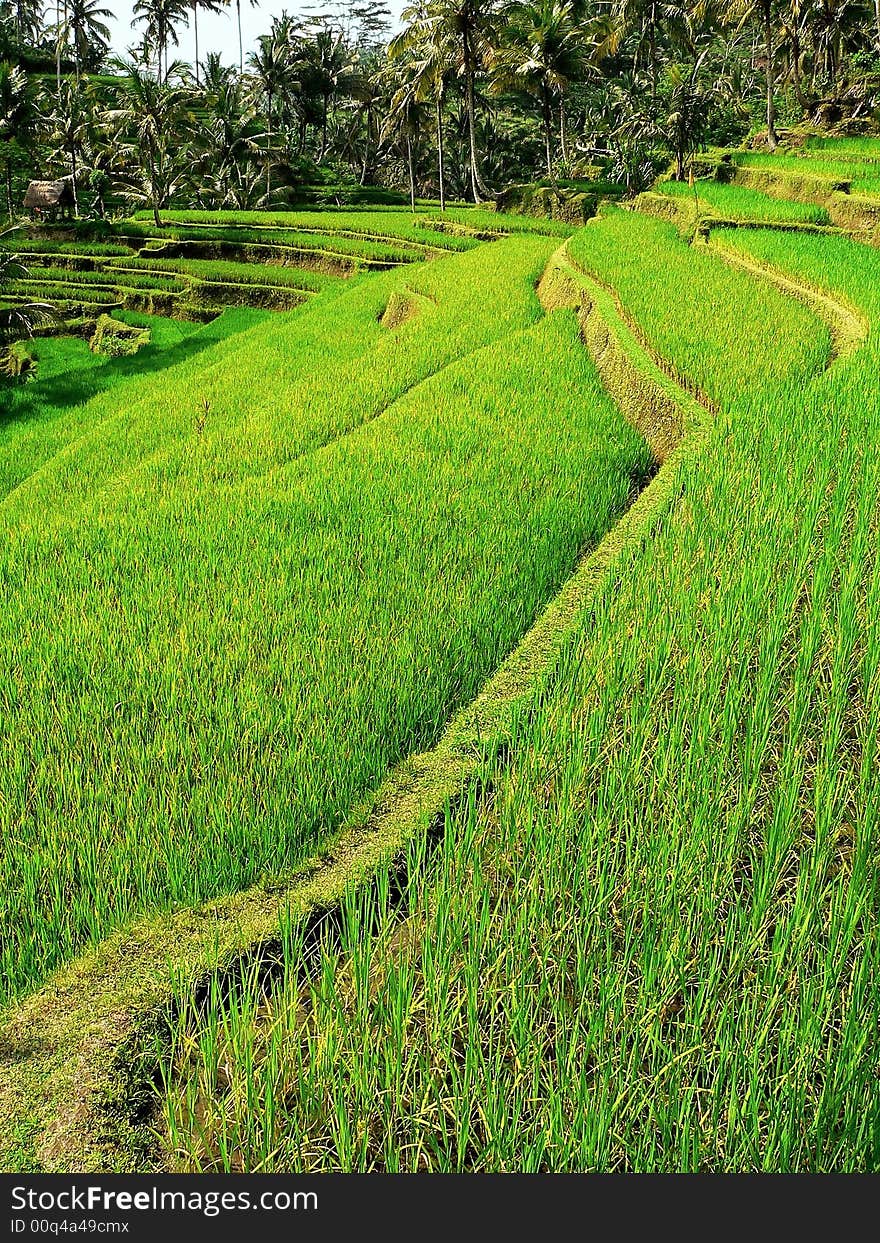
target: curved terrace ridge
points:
(78, 1057)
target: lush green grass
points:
(29, 242)
(864, 176)
(106, 278)
(867, 149)
(402, 225)
(67, 275)
(349, 245)
(735, 202)
(655, 945)
(692, 306)
(39, 418)
(222, 271)
(257, 579)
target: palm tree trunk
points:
(9, 187)
(369, 120)
(323, 130)
(412, 176)
(268, 145)
(563, 141)
(772, 139)
(195, 5)
(548, 138)
(58, 51)
(152, 154)
(240, 42)
(73, 171)
(797, 84)
(477, 185)
(440, 147)
(877, 17)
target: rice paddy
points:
(734, 202)
(315, 509)
(661, 953)
(253, 572)
(860, 172)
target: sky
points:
(217, 32)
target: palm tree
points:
(743, 11)
(653, 22)
(689, 103)
(254, 4)
(367, 90)
(27, 19)
(542, 51)
(17, 115)
(161, 18)
(274, 70)
(325, 67)
(405, 120)
(210, 6)
(86, 29)
(229, 139)
(466, 27)
(67, 128)
(216, 77)
(432, 49)
(155, 120)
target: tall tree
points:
(542, 50)
(762, 11)
(468, 25)
(154, 122)
(254, 4)
(209, 6)
(161, 19)
(87, 32)
(26, 20)
(432, 49)
(273, 66)
(67, 127)
(18, 114)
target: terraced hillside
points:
(661, 952)
(199, 262)
(840, 175)
(488, 735)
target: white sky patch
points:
(218, 32)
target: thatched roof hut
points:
(49, 196)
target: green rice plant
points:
(105, 277)
(734, 202)
(859, 149)
(378, 224)
(37, 420)
(338, 246)
(255, 580)
(36, 244)
(230, 272)
(651, 942)
(719, 326)
(863, 176)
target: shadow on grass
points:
(51, 396)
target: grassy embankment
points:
(265, 575)
(735, 202)
(651, 942)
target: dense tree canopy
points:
(467, 97)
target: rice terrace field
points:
(440, 682)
